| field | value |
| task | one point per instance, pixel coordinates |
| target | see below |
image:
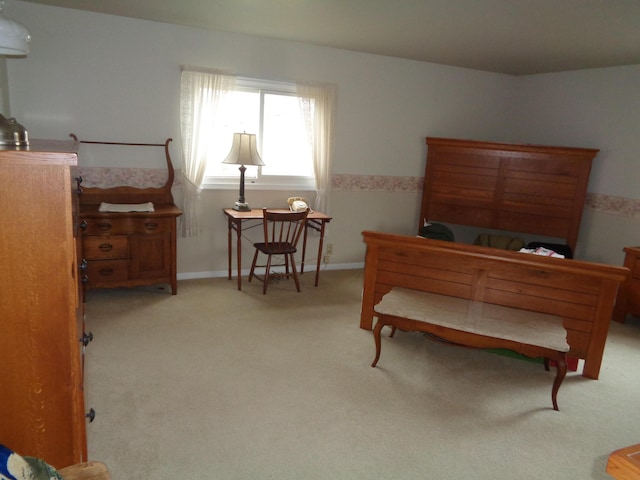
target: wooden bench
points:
(581, 293)
(475, 324)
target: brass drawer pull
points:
(105, 247)
(104, 226)
(151, 225)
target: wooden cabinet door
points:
(151, 256)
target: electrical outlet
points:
(326, 259)
(329, 248)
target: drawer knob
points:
(104, 226)
(106, 271)
(105, 247)
(78, 187)
(91, 415)
(83, 265)
(151, 225)
(86, 339)
(83, 225)
(84, 279)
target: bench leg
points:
(560, 358)
(561, 371)
(376, 336)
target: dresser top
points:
(49, 152)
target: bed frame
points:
(529, 189)
(581, 293)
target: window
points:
(272, 111)
(205, 93)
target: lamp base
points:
(242, 206)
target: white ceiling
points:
(517, 37)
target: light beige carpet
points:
(216, 383)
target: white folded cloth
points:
(545, 252)
(126, 207)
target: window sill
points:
(250, 185)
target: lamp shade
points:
(244, 150)
(14, 38)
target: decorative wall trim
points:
(376, 183)
(626, 207)
(105, 177)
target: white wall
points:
(596, 108)
(117, 79)
(110, 78)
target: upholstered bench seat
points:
(476, 317)
(475, 324)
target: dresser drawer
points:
(151, 225)
(105, 272)
(105, 246)
(126, 226)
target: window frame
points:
(262, 182)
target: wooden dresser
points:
(42, 409)
(517, 188)
(132, 248)
(629, 297)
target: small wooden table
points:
(235, 219)
(624, 464)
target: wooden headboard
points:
(517, 188)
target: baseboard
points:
(224, 273)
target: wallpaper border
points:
(376, 183)
(611, 204)
(626, 207)
(106, 177)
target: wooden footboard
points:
(582, 293)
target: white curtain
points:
(201, 91)
(318, 106)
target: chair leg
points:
(253, 265)
(266, 275)
(295, 272)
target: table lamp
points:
(243, 152)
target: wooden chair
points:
(282, 230)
